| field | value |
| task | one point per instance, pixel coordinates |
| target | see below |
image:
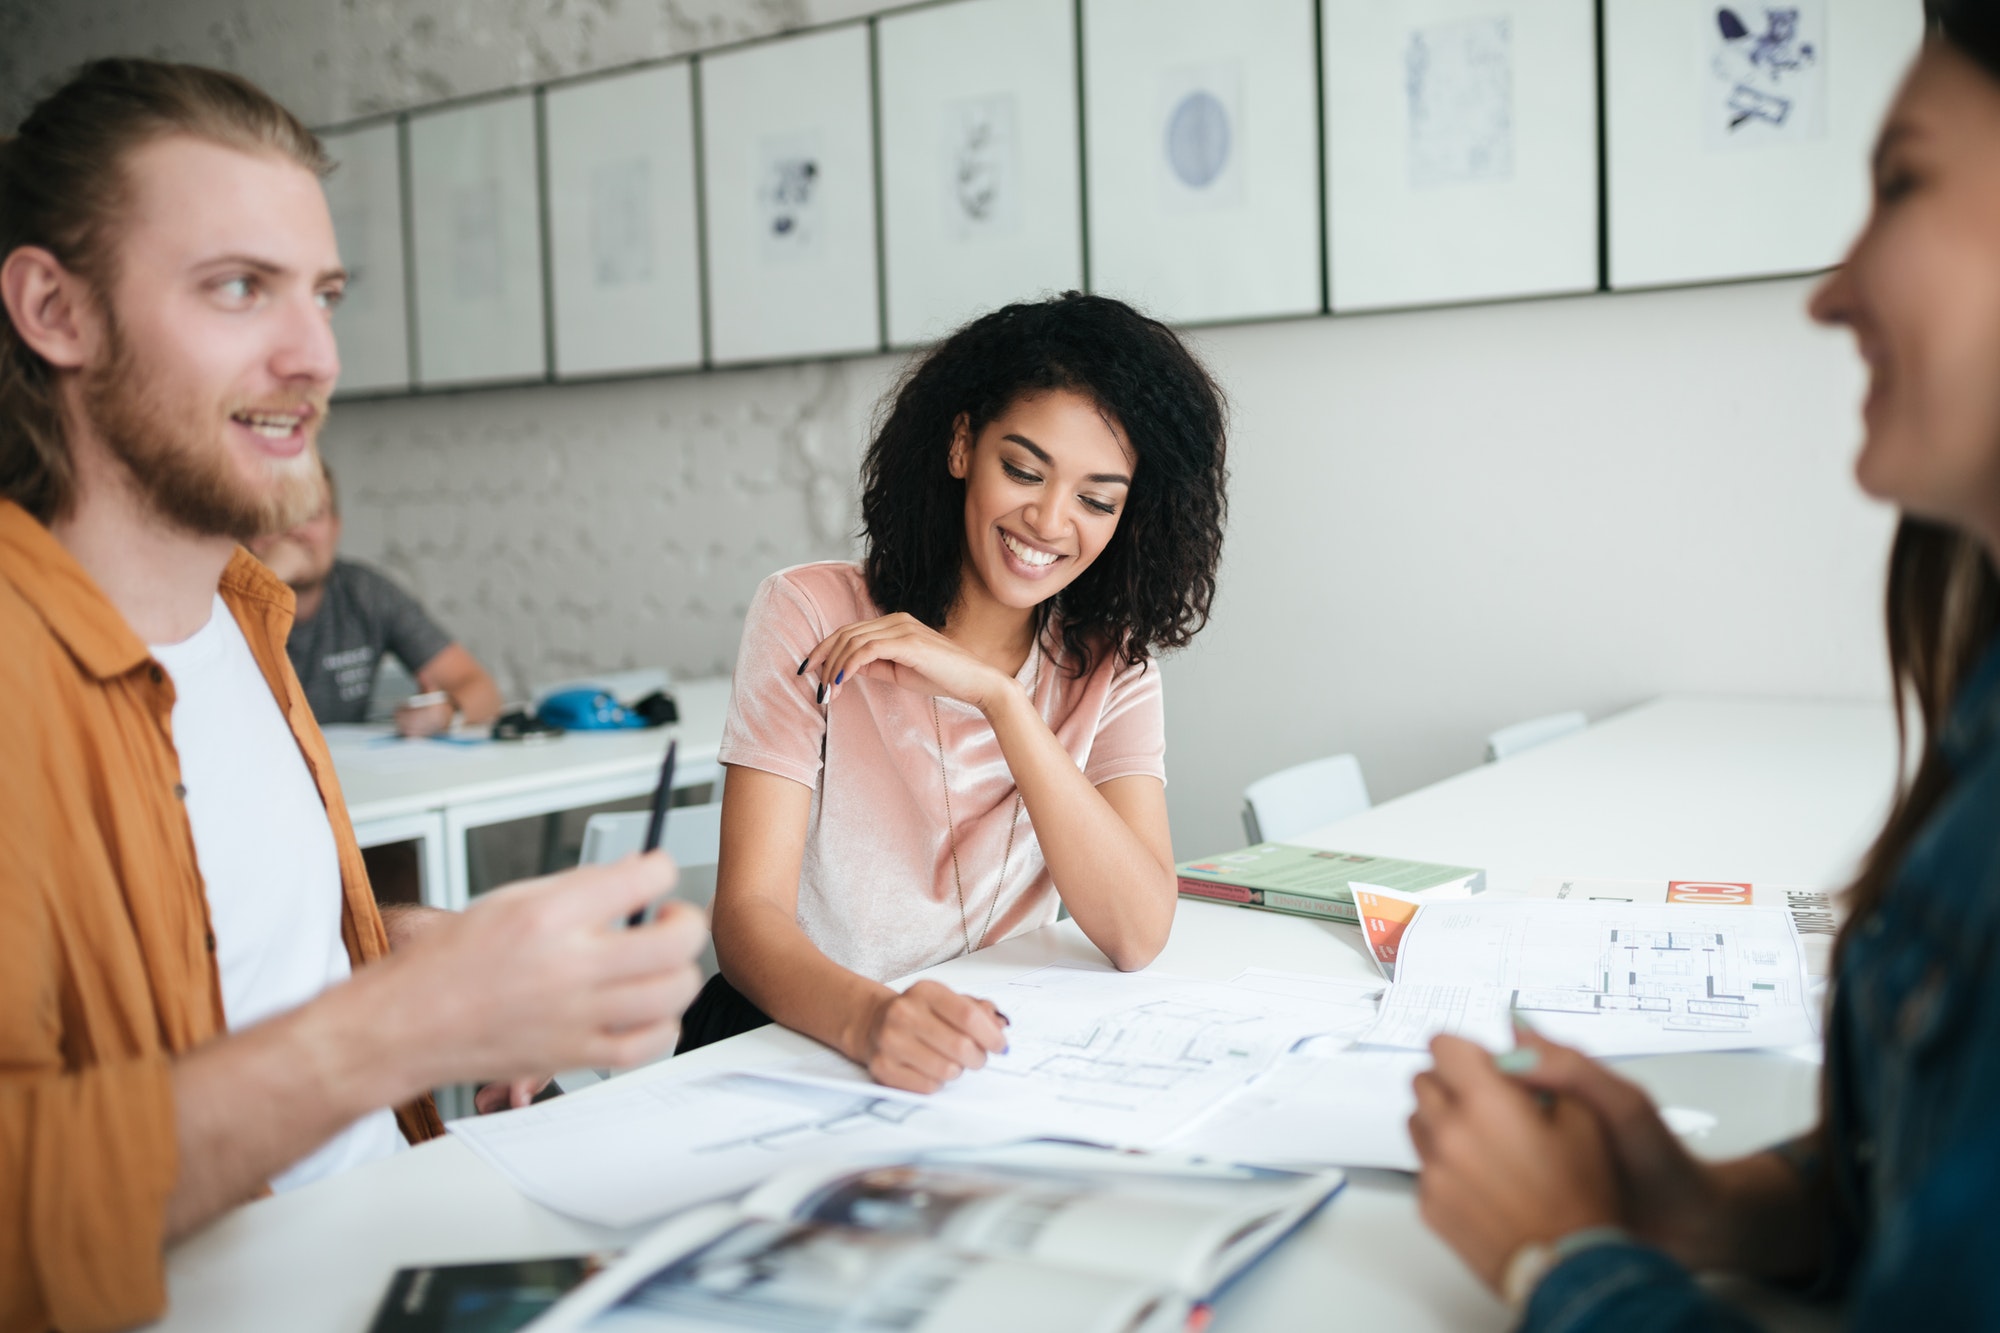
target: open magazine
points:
(1048, 1237)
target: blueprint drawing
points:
(1611, 978)
(1132, 1059)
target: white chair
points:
(693, 837)
(1510, 741)
(1303, 797)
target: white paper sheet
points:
(1349, 1108)
(637, 1148)
(1610, 978)
(1132, 1058)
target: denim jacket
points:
(1912, 1120)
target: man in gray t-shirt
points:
(361, 615)
(349, 616)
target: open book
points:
(1041, 1236)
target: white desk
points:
(434, 792)
(1770, 791)
(319, 1259)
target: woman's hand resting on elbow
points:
(924, 1037)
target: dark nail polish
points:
(822, 692)
(802, 668)
(1004, 1019)
(840, 675)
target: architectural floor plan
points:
(1612, 978)
(1132, 1058)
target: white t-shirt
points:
(267, 856)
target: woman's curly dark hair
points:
(1151, 587)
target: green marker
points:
(1522, 1059)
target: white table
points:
(1769, 791)
(319, 1259)
(433, 792)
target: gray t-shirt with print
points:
(362, 616)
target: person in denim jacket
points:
(1582, 1208)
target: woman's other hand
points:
(1667, 1196)
(903, 649)
(923, 1038)
(1503, 1166)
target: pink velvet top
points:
(876, 893)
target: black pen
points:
(656, 821)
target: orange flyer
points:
(1709, 893)
(1385, 914)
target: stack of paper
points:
(1268, 1067)
(1130, 1060)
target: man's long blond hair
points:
(63, 188)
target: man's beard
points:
(176, 455)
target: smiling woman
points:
(937, 748)
(1556, 1179)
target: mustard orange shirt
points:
(107, 967)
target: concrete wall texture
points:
(1442, 521)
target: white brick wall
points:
(558, 530)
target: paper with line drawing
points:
(1133, 1058)
(642, 1146)
(1610, 978)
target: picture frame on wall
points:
(1202, 151)
(476, 233)
(1461, 150)
(788, 151)
(1737, 135)
(980, 174)
(364, 194)
(624, 244)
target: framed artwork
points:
(787, 136)
(1738, 134)
(476, 232)
(365, 196)
(1461, 150)
(624, 251)
(980, 182)
(1202, 146)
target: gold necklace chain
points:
(951, 832)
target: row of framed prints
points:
(871, 185)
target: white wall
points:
(1441, 521)
(1446, 521)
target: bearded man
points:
(198, 998)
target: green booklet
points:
(1284, 877)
